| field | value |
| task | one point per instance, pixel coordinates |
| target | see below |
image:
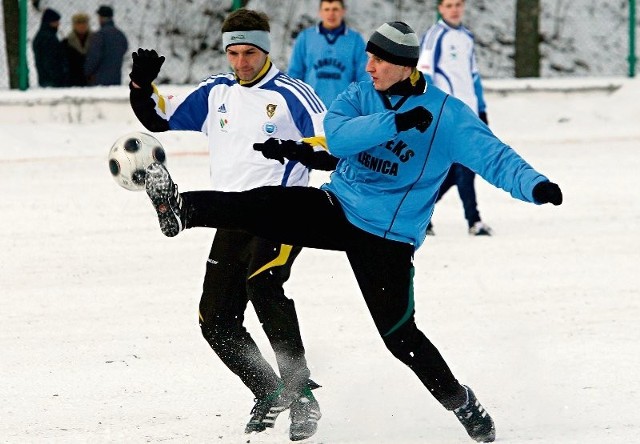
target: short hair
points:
(332, 1)
(246, 20)
(440, 2)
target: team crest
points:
(269, 128)
(271, 110)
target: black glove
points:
(278, 149)
(419, 118)
(146, 67)
(547, 192)
(483, 117)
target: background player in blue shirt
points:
(330, 55)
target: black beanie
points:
(50, 16)
(395, 42)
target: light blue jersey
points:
(329, 63)
(387, 182)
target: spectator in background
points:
(448, 61)
(330, 55)
(77, 44)
(49, 53)
(105, 56)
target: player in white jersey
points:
(235, 110)
(448, 61)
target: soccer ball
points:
(129, 157)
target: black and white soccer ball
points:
(129, 157)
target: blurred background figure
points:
(330, 55)
(77, 44)
(49, 53)
(448, 60)
(103, 65)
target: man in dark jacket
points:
(49, 53)
(77, 46)
(108, 47)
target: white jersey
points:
(447, 59)
(236, 116)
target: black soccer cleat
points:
(266, 410)
(475, 419)
(166, 199)
(480, 229)
(304, 413)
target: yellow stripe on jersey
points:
(161, 103)
(283, 257)
(317, 141)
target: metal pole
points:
(23, 69)
(632, 38)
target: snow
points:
(99, 333)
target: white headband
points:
(259, 39)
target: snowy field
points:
(98, 333)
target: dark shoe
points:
(166, 199)
(304, 413)
(475, 419)
(480, 229)
(265, 411)
(430, 231)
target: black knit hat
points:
(105, 11)
(395, 42)
(50, 16)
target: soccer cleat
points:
(480, 229)
(475, 419)
(304, 414)
(266, 410)
(166, 199)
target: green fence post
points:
(236, 4)
(23, 69)
(632, 38)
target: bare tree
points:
(527, 54)
(12, 37)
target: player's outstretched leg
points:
(165, 198)
(475, 419)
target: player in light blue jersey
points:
(395, 138)
(448, 60)
(330, 55)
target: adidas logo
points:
(222, 109)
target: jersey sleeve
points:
(297, 68)
(360, 61)
(426, 60)
(345, 122)
(477, 84)
(496, 162)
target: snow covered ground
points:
(99, 333)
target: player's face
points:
(246, 61)
(331, 14)
(385, 74)
(452, 11)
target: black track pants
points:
(241, 268)
(310, 217)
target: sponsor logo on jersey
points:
(223, 124)
(271, 110)
(269, 128)
(222, 109)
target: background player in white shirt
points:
(448, 61)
